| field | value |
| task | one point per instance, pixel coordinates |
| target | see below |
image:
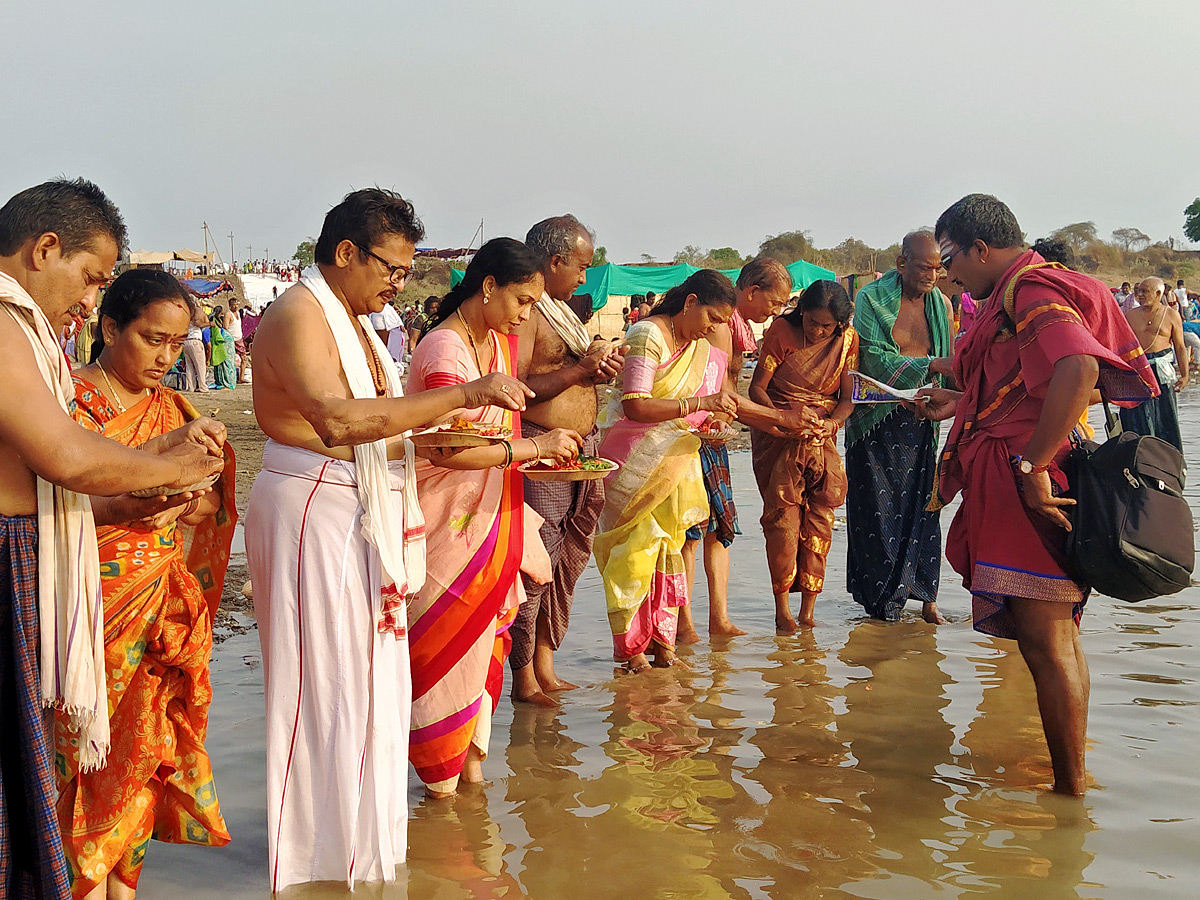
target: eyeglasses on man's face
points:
(397, 275)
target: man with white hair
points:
(562, 365)
(1159, 329)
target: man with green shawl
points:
(895, 544)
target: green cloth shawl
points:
(875, 309)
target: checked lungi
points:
(32, 864)
(722, 514)
(571, 510)
(894, 543)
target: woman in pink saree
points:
(481, 535)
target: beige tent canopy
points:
(153, 258)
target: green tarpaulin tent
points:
(625, 281)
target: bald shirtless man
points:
(1159, 329)
(58, 243)
(562, 366)
(335, 544)
(905, 340)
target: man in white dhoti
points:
(335, 542)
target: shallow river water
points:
(856, 760)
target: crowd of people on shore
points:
(394, 579)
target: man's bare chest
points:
(550, 352)
(911, 331)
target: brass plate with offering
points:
(582, 468)
(461, 432)
(714, 431)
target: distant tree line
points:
(1128, 249)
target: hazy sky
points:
(659, 124)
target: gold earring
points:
(486, 297)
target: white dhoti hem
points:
(338, 688)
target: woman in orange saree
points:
(162, 566)
(804, 364)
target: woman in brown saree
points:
(804, 364)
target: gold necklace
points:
(471, 338)
(674, 340)
(112, 390)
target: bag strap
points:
(1010, 289)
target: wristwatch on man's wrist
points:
(1025, 467)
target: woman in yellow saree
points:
(162, 566)
(804, 365)
(671, 381)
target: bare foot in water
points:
(664, 658)
(929, 612)
(537, 698)
(526, 689)
(437, 795)
(807, 622)
(725, 628)
(548, 681)
(635, 664)
(472, 772)
(687, 635)
(785, 624)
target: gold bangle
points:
(537, 448)
(682, 408)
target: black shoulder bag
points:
(1131, 534)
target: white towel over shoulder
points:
(401, 545)
(70, 609)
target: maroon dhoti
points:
(570, 510)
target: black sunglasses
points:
(949, 257)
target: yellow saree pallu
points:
(160, 590)
(656, 495)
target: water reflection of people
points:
(456, 851)
(1009, 832)
(658, 793)
(544, 795)
(812, 820)
(896, 731)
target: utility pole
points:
(231, 248)
(204, 227)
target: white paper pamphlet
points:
(868, 390)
